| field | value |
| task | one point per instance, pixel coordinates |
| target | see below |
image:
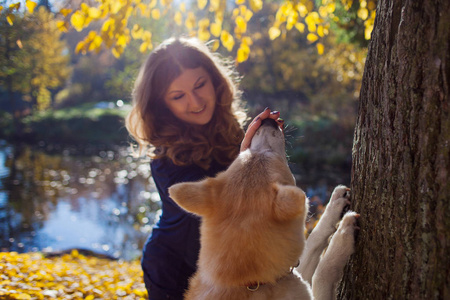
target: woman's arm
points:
(254, 125)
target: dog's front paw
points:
(338, 205)
(341, 246)
(341, 191)
(349, 225)
(344, 238)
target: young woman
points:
(187, 114)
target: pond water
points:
(103, 201)
(54, 198)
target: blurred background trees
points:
(305, 58)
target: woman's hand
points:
(254, 125)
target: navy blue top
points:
(171, 252)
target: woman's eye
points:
(200, 85)
(178, 97)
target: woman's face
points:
(191, 97)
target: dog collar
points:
(254, 286)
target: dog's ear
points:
(195, 197)
(289, 202)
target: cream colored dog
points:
(252, 232)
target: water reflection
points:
(104, 202)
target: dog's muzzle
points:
(269, 122)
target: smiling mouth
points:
(200, 110)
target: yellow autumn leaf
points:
(320, 31)
(62, 26)
(190, 21)
(291, 20)
(10, 19)
(239, 2)
(215, 29)
(201, 3)
(108, 25)
(94, 45)
(156, 14)
(30, 6)
(137, 32)
(347, 4)
(215, 45)
(368, 32)
(242, 9)
(77, 20)
(115, 6)
(280, 16)
(218, 17)
(320, 48)
(302, 10)
(22, 296)
(80, 47)
(94, 12)
(241, 24)
(143, 8)
(14, 6)
(122, 40)
(363, 13)
(166, 2)
(300, 27)
(227, 40)
(243, 53)
(203, 34)
(256, 5)
(248, 15)
(214, 5)
(65, 11)
(323, 11)
(311, 27)
(235, 12)
(331, 7)
(183, 7)
(274, 32)
(203, 23)
(147, 36)
(178, 18)
(247, 40)
(84, 7)
(117, 51)
(311, 37)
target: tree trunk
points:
(401, 157)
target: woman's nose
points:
(195, 100)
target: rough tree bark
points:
(401, 157)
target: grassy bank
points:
(86, 124)
(317, 144)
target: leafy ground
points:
(71, 276)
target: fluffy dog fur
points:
(252, 232)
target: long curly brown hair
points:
(157, 131)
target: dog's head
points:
(252, 214)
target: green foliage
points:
(321, 145)
(76, 125)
